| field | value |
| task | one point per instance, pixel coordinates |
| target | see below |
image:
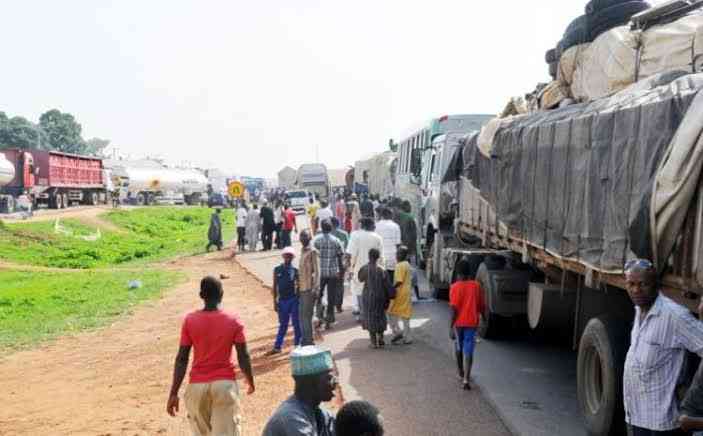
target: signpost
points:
(236, 189)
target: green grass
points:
(149, 234)
(36, 306)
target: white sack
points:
(568, 63)
(671, 46)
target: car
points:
(299, 200)
(217, 200)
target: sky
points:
(249, 87)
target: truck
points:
(52, 178)
(314, 178)
(375, 174)
(550, 208)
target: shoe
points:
(467, 387)
(381, 343)
(408, 342)
(328, 326)
(273, 352)
(339, 310)
(356, 313)
(396, 339)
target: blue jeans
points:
(287, 310)
(465, 340)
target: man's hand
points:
(172, 405)
(452, 334)
(251, 389)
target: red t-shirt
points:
(289, 220)
(212, 335)
(465, 297)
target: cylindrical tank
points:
(193, 181)
(7, 171)
(154, 180)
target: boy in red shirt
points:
(212, 396)
(466, 302)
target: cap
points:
(288, 250)
(310, 360)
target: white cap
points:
(288, 250)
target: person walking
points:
(278, 221)
(289, 225)
(331, 272)
(311, 210)
(242, 226)
(344, 239)
(214, 233)
(315, 383)
(408, 235)
(377, 294)
(466, 303)
(340, 209)
(323, 213)
(354, 213)
(358, 418)
(360, 242)
(309, 286)
(661, 334)
(253, 227)
(401, 308)
(366, 207)
(390, 233)
(285, 290)
(212, 396)
(268, 225)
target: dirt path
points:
(88, 215)
(115, 380)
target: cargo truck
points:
(52, 178)
(315, 179)
(549, 209)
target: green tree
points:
(18, 132)
(63, 132)
(96, 147)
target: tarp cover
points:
(580, 181)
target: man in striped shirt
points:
(661, 334)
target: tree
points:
(96, 147)
(63, 132)
(392, 146)
(18, 132)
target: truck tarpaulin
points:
(599, 182)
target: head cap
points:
(288, 250)
(310, 360)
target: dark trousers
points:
(693, 402)
(267, 238)
(285, 236)
(637, 431)
(217, 244)
(241, 237)
(334, 287)
(288, 310)
(391, 276)
(279, 242)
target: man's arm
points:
(179, 372)
(244, 361)
(274, 291)
(316, 271)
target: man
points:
(366, 207)
(340, 209)
(212, 394)
(360, 243)
(268, 225)
(408, 235)
(331, 271)
(354, 213)
(466, 303)
(309, 286)
(285, 290)
(324, 213)
(289, 225)
(344, 239)
(253, 227)
(390, 233)
(242, 226)
(661, 334)
(214, 233)
(358, 418)
(315, 383)
(312, 214)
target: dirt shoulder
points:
(115, 380)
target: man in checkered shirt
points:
(662, 333)
(331, 272)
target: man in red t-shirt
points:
(289, 224)
(466, 302)
(212, 396)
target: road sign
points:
(236, 189)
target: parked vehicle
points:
(53, 178)
(550, 209)
(299, 200)
(149, 183)
(375, 174)
(315, 179)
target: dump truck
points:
(53, 178)
(550, 207)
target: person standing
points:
(401, 308)
(661, 334)
(377, 294)
(360, 242)
(408, 235)
(242, 213)
(289, 225)
(366, 207)
(331, 271)
(340, 209)
(344, 239)
(315, 383)
(390, 233)
(268, 225)
(214, 233)
(466, 303)
(212, 396)
(358, 418)
(309, 286)
(323, 213)
(354, 213)
(278, 220)
(253, 227)
(286, 282)
(311, 211)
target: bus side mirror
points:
(416, 163)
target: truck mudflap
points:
(507, 292)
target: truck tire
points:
(601, 359)
(93, 198)
(141, 199)
(65, 200)
(576, 33)
(491, 325)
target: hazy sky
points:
(252, 86)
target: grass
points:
(148, 234)
(35, 306)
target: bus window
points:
(432, 166)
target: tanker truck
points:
(52, 178)
(552, 204)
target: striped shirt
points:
(654, 363)
(331, 254)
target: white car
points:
(299, 200)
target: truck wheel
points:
(601, 358)
(150, 199)
(490, 326)
(65, 200)
(94, 199)
(141, 199)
